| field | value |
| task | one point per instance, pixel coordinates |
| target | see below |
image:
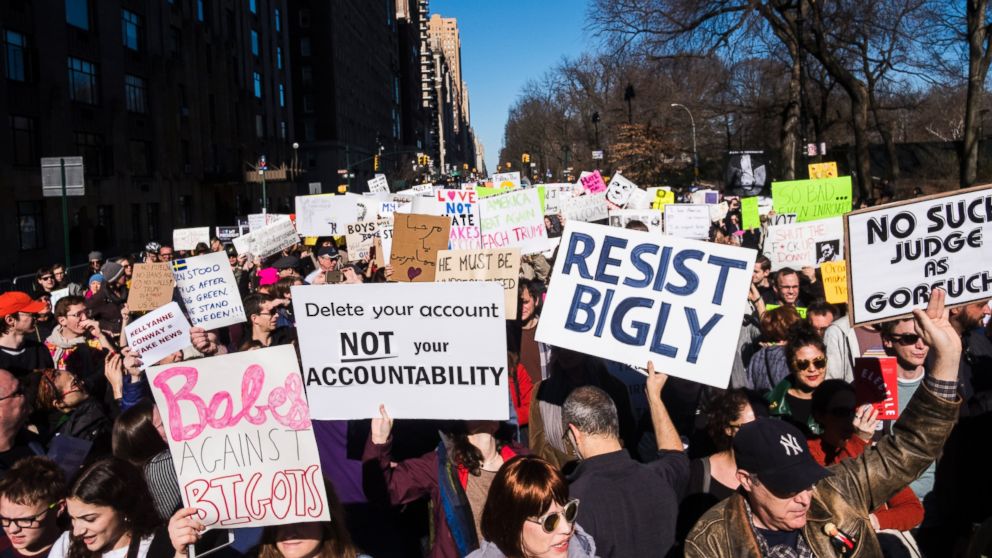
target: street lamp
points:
(695, 155)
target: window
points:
(199, 10)
(254, 42)
(131, 29)
(140, 155)
(279, 57)
(389, 12)
(283, 130)
(258, 84)
(187, 161)
(185, 210)
(278, 20)
(308, 103)
(77, 13)
(90, 147)
(15, 55)
(151, 217)
(282, 95)
(304, 18)
(25, 140)
(259, 126)
(253, 6)
(309, 131)
(135, 94)
(82, 81)
(30, 225)
(306, 76)
(176, 42)
(304, 46)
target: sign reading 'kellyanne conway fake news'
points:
(239, 430)
(425, 350)
(633, 296)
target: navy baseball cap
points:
(777, 453)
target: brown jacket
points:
(844, 499)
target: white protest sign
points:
(639, 199)
(268, 240)
(783, 218)
(805, 244)
(619, 190)
(423, 188)
(209, 291)
(700, 197)
(425, 350)
(463, 209)
(898, 253)
(506, 180)
(259, 220)
(187, 239)
(555, 196)
(650, 217)
(588, 208)
(513, 219)
(326, 214)
(158, 334)
(631, 297)
(360, 238)
(384, 231)
(242, 443)
(56, 296)
(687, 220)
(379, 184)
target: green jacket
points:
(778, 405)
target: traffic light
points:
(509, 165)
(375, 163)
(525, 158)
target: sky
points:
(506, 43)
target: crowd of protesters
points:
(782, 463)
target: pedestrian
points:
(32, 503)
(105, 305)
(20, 351)
(792, 398)
(69, 410)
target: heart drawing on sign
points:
(413, 272)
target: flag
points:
(179, 265)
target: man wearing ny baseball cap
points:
(20, 349)
(788, 506)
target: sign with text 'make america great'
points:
(633, 296)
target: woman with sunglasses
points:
(792, 398)
(70, 411)
(32, 499)
(528, 514)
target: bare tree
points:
(979, 37)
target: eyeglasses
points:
(905, 339)
(18, 392)
(29, 522)
(820, 363)
(47, 278)
(549, 522)
(80, 315)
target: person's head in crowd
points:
(806, 356)
(327, 539)
(328, 258)
(18, 312)
(720, 235)
(833, 408)
(260, 309)
(969, 316)
(165, 253)
(528, 512)
(726, 413)
(72, 316)
(151, 252)
(636, 225)
(45, 314)
(762, 269)
(267, 277)
(95, 260)
(590, 422)
(128, 265)
(13, 408)
(95, 283)
(138, 434)
(232, 256)
(352, 274)
(787, 286)
(60, 391)
(776, 323)
(531, 301)
(201, 248)
(216, 245)
(110, 509)
(113, 276)
(899, 338)
(45, 280)
(820, 314)
(287, 266)
(61, 279)
(32, 497)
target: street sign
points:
(51, 176)
(597, 155)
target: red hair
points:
(524, 487)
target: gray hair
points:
(592, 411)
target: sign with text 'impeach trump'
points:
(632, 296)
(425, 350)
(239, 430)
(897, 253)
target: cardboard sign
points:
(151, 286)
(379, 184)
(268, 240)
(705, 196)
(650, 217)
(805, 244)
(416, 240)
(876, 381)
(360, 238)
(688, 220)
(506, 180)
(497, 265)
(834, 281)
(660, 197)
(593, 183)
(426, 350)
(620, 190)
(326, 214)
(632, 296)
(187, 239)
(513, 219)
(158, 334)
(209, 290)
(258, 220)
(587, 208)
(242, 443)
(822, 170)
(813, 199)
(750, 218)
(899, 252)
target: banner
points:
(241, 439)
(151, 286)
(750, 218)
(876, 381)
(506, 180)
(416, 240)
(813, 199)
(650, 217)
(187, 239)
(688, 220)
(822, 170)
(426, 350)
(593, 183)
(805, 244)
(632, 297)
(206, 284)
(587, 208)
(899, 252)
(501, 265)
(327, 214)
(360, 237)
(379, 184)
(513, 219)
(158, 334)
(620, 190)
(834, 281)
(268, 240)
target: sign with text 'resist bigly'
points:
(239, 430)
(425, 350)
(813, 199)
(898, 253)
(206, 284)
(632, 296)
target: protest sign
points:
(639, 199)
(209, 291)
(876, 382)
(268, 240)
(555, 196)
(513, 219)
(631, 297)
(687, 220)
(650, 217)
(462, 208)
(813, 199)
(587, 208)
(783, 219)
(360, 237)
(506, 180)
(750, 219)
(187, 239)
(151, 286)
(56, 296)
(158, 334)
(898, 252)
(593, 183)
(242, 443)
(259, 220)
(834, 281)
(326, 214)
(426, 188)
(705, 196)
(379, 184)
(226, 233)
(425, 350)
(805, 244)
(620, 190)
(500, 265)
(822, 170)
(416, 240)
(385, 233)
(661, 197)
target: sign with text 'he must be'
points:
(632, 296)
(424, 350)
(898, 253)
(209, 291)
(242, 443)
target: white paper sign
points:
(588, 208)
(687, 220)
(58, 295)
(619, 190)
(268, 240)
(158, 334)
(187, 239)
(326, 214)
(632, 296)
(209, 291)
(555, 196)
(379, 184)
(425, 350)
(360, 238)
(506, 180)
(805, 244)
(513, 219)
(650, 217)
(259, 220)
(423, 188)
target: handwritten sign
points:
(379, 184)
(876, 382)
(416, 241)
(783, 219)
(620, 190)
(513, 219)
(259, 220)
(158, 334)
(268, 240)
(326, 214)
(587, 208)
(498, 265)
(256, 462)
(555, 196)
(425, 350)
(593, 183)
(688, 220)
(805, 244)
(187, 239)
(151, 286)
(226, 233)
(822, 170)
(650, 217)
(660, 197)
(506, 180)
(750, 218)
(209, 291)
(360, 238)
(834, 281)
(58, 295)
(813, 199)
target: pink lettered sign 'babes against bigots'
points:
(242, 443)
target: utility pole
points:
(695, 154)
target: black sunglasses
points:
(549, 522)
(905, 339)
(820, 363)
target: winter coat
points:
(581, 545)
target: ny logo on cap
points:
(790, 444)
